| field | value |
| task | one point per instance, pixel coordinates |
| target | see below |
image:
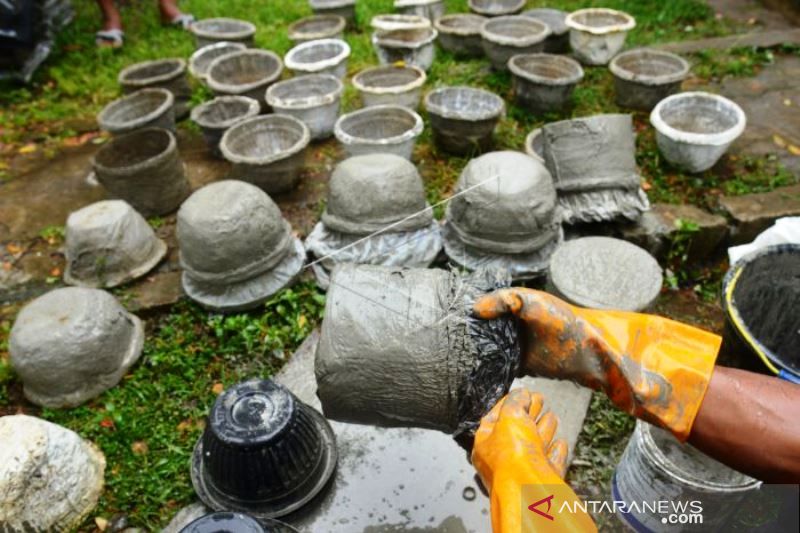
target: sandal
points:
(184, 21)
(109, 38)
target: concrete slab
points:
(753, 213)
(763, 39)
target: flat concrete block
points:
(753, 213)
(155, 291)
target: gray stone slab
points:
(764, 39)
(753, 213)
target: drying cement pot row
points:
(245, 73)
(598, 34)
(317, 27)
(390, 84)
(409, 46)
(390, 129)
(314, 99)
(323, 56)
(146, 108)
(343, 8)
(505, 37)
(430, 9)
(202, 58)
(210, 31)
(216, 116)
(460, 34)
(644, 77)
(544, 82)
(463, 119)
(167, 74)
(496, 8)
(558, 40)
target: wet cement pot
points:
(314, 99)
(146, 108)
(390, 84)
(324, 56)
(644, 77)
(268, 151)
(464, 118)
(430, 9)
(496, 8)
(399, 22)
(216, 116)
(695, 129)
(598, 34)
(544, 82)
(505, 37)
(411, 47)
(558, 40)
(167, 74)
(210, 31)
(460, 34)
(391, 129)
(245, 73)
(144, 169)
(343, 8)
(317, 27)
(201, 59)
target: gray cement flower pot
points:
(496, 8)
(391, 129)
(390, 84)
(463, 118)
(505, 37)
(430, 9)
(534, 145)
(558, 40)
(324, 56)
(267, 151)
(144, 169)
(210, 31)
(317, 27)
(216, 116)
(146, 108)
(644, 77)
(544, 82)
(598, 34)
(411, 47)
(394, 21)
(460, 34)
(245, 73)
(315, 99)
(167, 74)
(202, 58)
(343, 8)
(695, 129)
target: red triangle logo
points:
(546, 513)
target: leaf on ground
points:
(778, 140)
(794, 150)
(13, 249)
(27, 149)
(217, 388)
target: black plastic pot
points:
(227, 522)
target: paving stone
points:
(157, 290)
(753, 213)
(763, 39)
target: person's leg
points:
(171, 13)
(111, 19)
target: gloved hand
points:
(654, 368)
(521, 465)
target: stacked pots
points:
(167, 74)
(245, 73)
(216, 116)
(202, 58)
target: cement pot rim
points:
(107, 113)
(618, 69)
(389, 38)
(360, 83)
(330, 4)
(626, 23)
(539, 31)
(239, 88)
(483, 8)
(396, 21)
(720, 138)
(315, 66)
(412, 3)
(518, 63)
(198, 113)
(547, 15)
(178, 68)
(126, 168)
(199, 54)
(296, 34)
(246, 29)
(295, 99)
(409, 134)
(443, 110)
(300, 144)
(462, 31)
(530, 145)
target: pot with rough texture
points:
(534, 145)
(267, 151)
(598, 34)
(389, 129)
(460, 34)
(463, 118)
(644, 77)
(146, 108)
(496, 8)
(315, 99)
(245, 73)
(144, 169)
(391, 84)
(202, 58)
(544, 82)
(399, 22)
(216, 116)
(210, 31)
(505, 37)
(343, 8)
(317, 27)
(695, 129)
(430, 9)
(558, 40)
(411, 47)
(167, 74)
(324, 56)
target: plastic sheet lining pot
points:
(558, 40)
(201, 59)
(695, 129)
(758, 293)
(411, 47)
(399, 22)
(167, 74)
(544, 82)
(324, 56)
(430, 9)
(505, 37)
(598, 34)
(144, 169)
(317, 27)
(216, 116)
(245, 73)
(210, 31)
(390, 129)
(644, 77)
(108, 243)
(496, 8)
(267, 151)
(463, 119)
(263, 452)
(227, 522)
(656, 466)
(236, 249)
(146, 108)
(399, 347)
(314, 99)
(460, 34)
(533, 145)
(391, 84)
(343, 8)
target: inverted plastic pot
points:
(391, 84)
(505, 37)
(399, 22)
(210, 31)
(343, 8)
(644, 77)
(167, 74)
(558, 40)
(496, 8)
(411, 47)
(317, 27)
(460, 34)
(202, 58)
(146, 108)
(598, 34)
(314, 99)
(245, 73)
(216, 116)
(544, 82)
(695, 129)
(463, 118)
(430, 9)
(389, 129)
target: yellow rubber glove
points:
(522, 467)
(654, 368)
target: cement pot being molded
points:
(411, 47)
(534, 145)
(202, 58)
(558, 40)
(399, 22)
(245, 73)
(391, 129)
(72, 344)
(343, 8)
(315, 99)
(496, 8)
(390, 84)
(460, 34)
(267, 151)
(317, 27)
(144, 169)
(544, 82)
(695, 129)
(107, 244)
(463, 119)
(145, 108)
(598, 34)
(430, 9)
(644, 77)
(167, 74)
(323, 56)
(216, 116)
(214, 30)
(505, 37)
